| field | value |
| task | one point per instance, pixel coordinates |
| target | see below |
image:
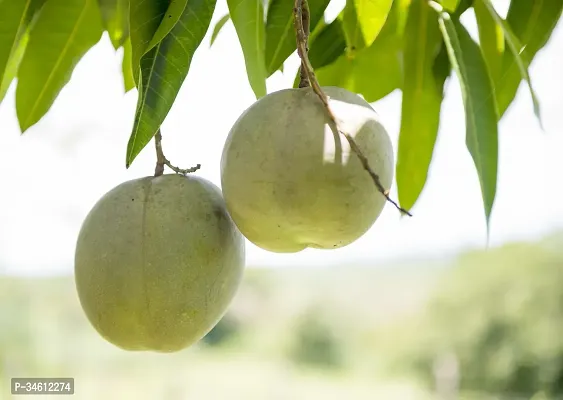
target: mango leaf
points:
(516, 47)
(327, 45)
(351, 26)
(14, 19)
(218, 26)
(422, 99)
(480, 112)
(13, 64)
(450, 5)
(371, 17)
(374, 71)
(532, 22)
(173, 14)
(491, 39)
(248, 20)
(280, 31)
(115, 17)
(163, 70)
(144, 20)
(63, 32)
(127, 67)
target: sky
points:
(56, 171)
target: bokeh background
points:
(418, 308)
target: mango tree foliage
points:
(372, 47)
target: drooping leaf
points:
(144, 20)
(248, 20)
(372, 15)
(115, 17)
(63, 32)
(421, 104)
(127, 67)
(280, 31)
(491, 39)
(218, 26)
(450, 5)
(163, 70)
(13, 64)
(14, 19)
(532, 22)
(478, 98)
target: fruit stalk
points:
(161, 160)
(308, 78)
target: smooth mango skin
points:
(290, 182)
(158, 261)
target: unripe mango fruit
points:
(158, 260)
(290, 181)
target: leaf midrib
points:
(57, 63)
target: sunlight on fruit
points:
(290, 182)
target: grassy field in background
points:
(298, 333)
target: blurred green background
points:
(487, 324)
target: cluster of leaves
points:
(373, 47)
(501, 314)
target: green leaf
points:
(280, 31)
(516, 48)
(374, 71)
(450, 5)
(163, 70)
(491, 39)
(144, 19)
(421, 104)
(64, 31)
(248, 20)
(479, 102)
(327, 45)
(372, 15)
(115, 17)
(532, 22)
(218, 26)
(127, 67)
(14, 19)
(174, 12)
(13, 64)
(351, 26)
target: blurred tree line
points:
(500, 315)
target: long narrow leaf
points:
(64, 31)
(479, 102)
(532, 22)
(164, 69)
(144, 19)
(491, 39)
(218, 26)
(422, 99)
(280, 32)
(248, 19)
(516, 48)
